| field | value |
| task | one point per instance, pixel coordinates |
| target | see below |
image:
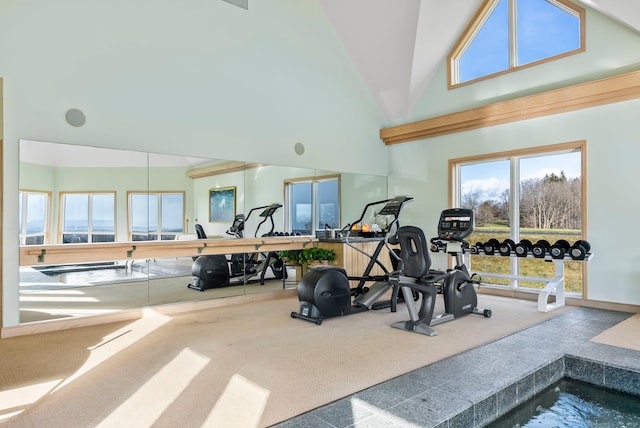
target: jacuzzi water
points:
(573, 404)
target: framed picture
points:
(222, 205)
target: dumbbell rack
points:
(555, 286)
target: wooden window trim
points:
(61, 196)
(476, 24)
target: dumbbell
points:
(475, 249)
(506, 247)
(490, 246)
(559, 248)
(523, 247)
(540, 248)
(579, 249)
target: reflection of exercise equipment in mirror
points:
(213, 271)
(415, 273)
(324, 291)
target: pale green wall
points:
(118, 180)
(203, 79)
(612, 133)
(610, 49)
(216, 81)
(201, 187)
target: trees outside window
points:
(528, 194)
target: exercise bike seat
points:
(415, 274)
(414, 254)
(200, 231)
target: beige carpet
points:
(248, 365)
(625, 334)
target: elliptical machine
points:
(214, 271)
(248, 265)
(415, 273)
(324, 291)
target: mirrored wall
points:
(77, 194)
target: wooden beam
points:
(614, 89)
(221, 168)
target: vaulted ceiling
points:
(397, 46)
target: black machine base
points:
(209, 272)
(323, 293)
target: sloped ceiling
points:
(397, 46)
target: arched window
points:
(507, 35)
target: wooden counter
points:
(355, 262)
(31, 255)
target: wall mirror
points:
(80, 194)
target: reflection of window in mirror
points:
(33, 218)
(155, 216)
(312, 204)
(88, 217)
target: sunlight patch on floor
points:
(117, 341)
(361, 409)
(241, 404)
(16, 400)
(172, 380)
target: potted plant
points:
(319, 254)
(308, 257)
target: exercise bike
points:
(212, 271)
(415, 273)
(324, 291)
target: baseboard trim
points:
(570, 301)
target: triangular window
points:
(510, 34)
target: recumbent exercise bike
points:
(415, 273)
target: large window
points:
(535, 195)
(511, 34)
(87, 217)
(156, 216)
(33, 219)
(312, 204)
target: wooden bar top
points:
(31, 255)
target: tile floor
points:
(475, 387)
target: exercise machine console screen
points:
(456, 224)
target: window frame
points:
(515, 156)
(47, 217)
(479, 20)
(314, 198)
(159, 194)
(90, 231)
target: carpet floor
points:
(624, 335)
(248, 365)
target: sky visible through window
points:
(543, 30)
(491, 179)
